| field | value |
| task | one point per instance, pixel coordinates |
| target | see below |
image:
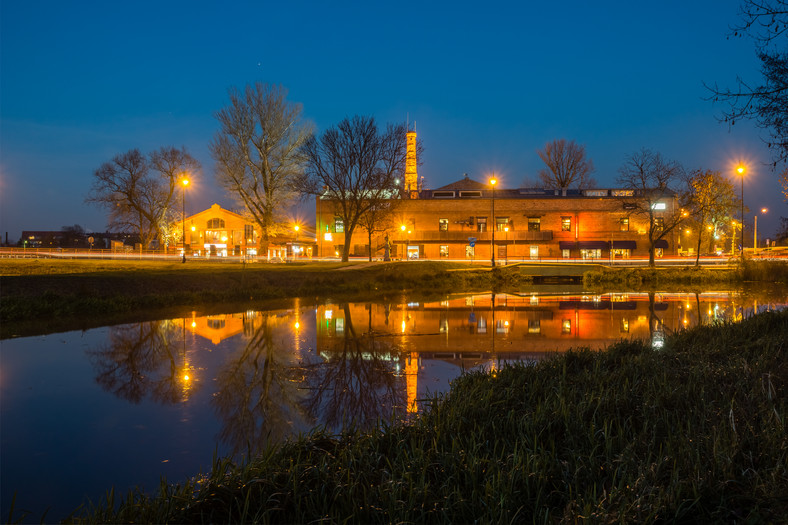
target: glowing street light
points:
(741, 169)
(296, 228)
(494, 224)
(185, 183)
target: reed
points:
(692, 432)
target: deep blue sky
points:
(486, 83)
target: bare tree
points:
(650, 177)
(567, 165)
(377, 219)
(172, 166)
(354, 166)
(257, 153)
(135, 198)
(711, 198)
(784, 184)
(765, 21)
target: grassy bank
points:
(749, 271)
(55, 293)
(693, 432)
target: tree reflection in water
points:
(260, 396)
(140, 360)
(358, 384)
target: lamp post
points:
(185, 183)
(755, 230)
(494, 224)
(741, 169)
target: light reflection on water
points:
(124, 405)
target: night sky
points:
(486, 84)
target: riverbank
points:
(637, 278)
(41, 296)
(44, 295)
(693, 432)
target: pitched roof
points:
(465, 184)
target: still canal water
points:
(125, 405)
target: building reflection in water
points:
(271, 374)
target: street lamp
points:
(296, 228)
(185, 183)
(755, 230)
(494, 224)
(741, 169)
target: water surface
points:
(125, 405)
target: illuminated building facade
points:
(456, 222)
(221, 233)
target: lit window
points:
(481, 224)
(469, 251)
(501, 223)
(444, 250)
(566, 326)
(659, 223)
(623, 224)
(339, 226)
(215, 223)
(328, 237)
(443, 224)
(534, 224)
(658, 206)
(566, 224)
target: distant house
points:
(73, 239)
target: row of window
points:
(502, 223)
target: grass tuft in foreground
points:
(692, 432)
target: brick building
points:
(458, 221)
(222, 233)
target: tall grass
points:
(747, 270)
(692, 432)
(768, 271)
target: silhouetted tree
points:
(377, 218)
(354, 166)
(711, 199)
(567, 165)
(651, 178)
(258, 153)
(765, 21)
(138, 192)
